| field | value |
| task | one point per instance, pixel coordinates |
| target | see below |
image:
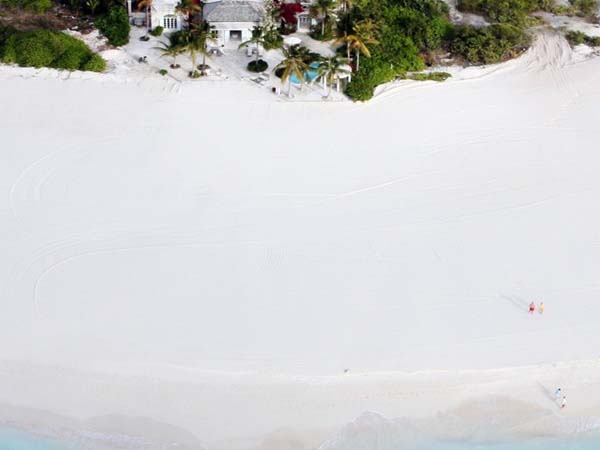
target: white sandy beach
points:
(255, 274)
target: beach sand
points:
(211, 266)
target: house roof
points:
(234, 11)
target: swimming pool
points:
(309, 76)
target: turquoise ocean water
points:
(18, 440)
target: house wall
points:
(158, 19)
(225, 27)
(162, 9)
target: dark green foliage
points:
(489, 45)
(163, 72)
(317, 35)
(272, 39)
(578, 38)
(178, 38)
(38, 6)
(95, 64)
(372, 73)
(115, 26)
(505, 11)
(258, 66)
(45, 48)
(585, 7)
(431, 76)
(157, 31)
(407, 30)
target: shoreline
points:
(450, 405)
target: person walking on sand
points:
(563, 403)
(558, 393)
(541, 308)
(531, 308)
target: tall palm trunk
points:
(193, 56)
(357, 60)
(148, 24)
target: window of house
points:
(170, 22)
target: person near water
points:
(532, 307)
(558, 393)
(563, 402)
(541, 308)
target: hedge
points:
(115, 26)
(45, 48)
(257, 66)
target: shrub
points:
(258, 66)
(372, 73)
(585, 7)
(157, 31)
(578, 38)
(38, 6)
(488, 45)
(272, 39)
(144, 38)
(45, 48)
(115, 26)
(431, 76)
(95, 64)
(505, 11)
(163, 72)
(318, 36)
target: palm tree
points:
(147, 5)
(189, 8)
(258, 38)
(365, 32)
(346, 5)
(196, 40)
(292, 64)
(172, 49)
(330, 69)
(322, 9)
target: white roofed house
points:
(232, 21)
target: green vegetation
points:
(584, 8)
(115, 26)
(163, 72)
(516, 11)
(505, 11)
(157, 31)
(45, 48)
(578, 38)
(399, 33)
(257, 66)
(38, 6)
(488, 45)
(431, 76)
(323, 10)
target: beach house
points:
(162, 13)
(232, 21)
